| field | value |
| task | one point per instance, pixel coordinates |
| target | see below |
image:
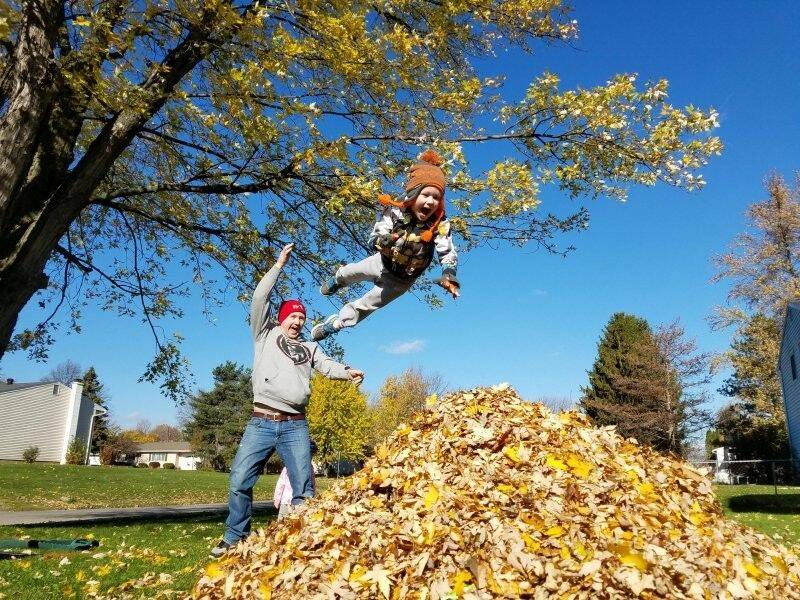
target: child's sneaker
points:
(329, 287)
(322, 330)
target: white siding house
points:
(178, 453)
(789, 369)
(47, 415)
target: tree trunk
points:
(37, 203)
(30, 93)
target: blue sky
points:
(527, 317)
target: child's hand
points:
(451, 287)
(286, 252)
(449, 282)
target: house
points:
(178, 453)
(789, 371)
(45, 414)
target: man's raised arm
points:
(260, 306)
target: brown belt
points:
(269, 416)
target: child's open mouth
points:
(424, 213)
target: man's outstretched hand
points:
(356, 376)
(286, 252)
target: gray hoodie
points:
(282, 366)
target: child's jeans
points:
(261, 438)
(387, 288)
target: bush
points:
(118, 449)
(154, 464)
(76, 452)
(142, 465)
(107, 454)
(168, 466)
(30, 454)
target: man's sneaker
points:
(220, 549)
(322, 330)
(329, 287)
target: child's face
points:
(426, 203)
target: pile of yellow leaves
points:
(485, 495)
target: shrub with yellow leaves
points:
(485, 495)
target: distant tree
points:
(623, 335)
(651, 386)
(556, 403)
(216, 419)
(65, 372)
(136, 436)
(714, 439)
(399, 397)
(166, 433)
(763, 264)
(143, 426)
(338, 419)
(754, 425)
(763, 270)
(684, 389)
(117, 448)
(94, 390)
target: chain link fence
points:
(777, 473)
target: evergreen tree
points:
(93, 389)
(217, 418)
(338, 419)
(623, 335)
(650, 386)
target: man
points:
(282, 369)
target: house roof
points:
(165, 447)
(9, 387)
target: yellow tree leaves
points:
(545, 506)
(338, 419)
(312, 108)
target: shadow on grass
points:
(260, 513)
(780, 504)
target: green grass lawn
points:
(171, 553)
(44, 486)
(759, 507)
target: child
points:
(405, 237)
(283, 489)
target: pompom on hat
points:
(426, 172)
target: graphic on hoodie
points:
(294, 350)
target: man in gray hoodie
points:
(282, 369)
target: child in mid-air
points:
(406, 236)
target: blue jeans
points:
(261, 438)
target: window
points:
(794, 367)
(158, 456)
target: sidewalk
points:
(100, 515)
